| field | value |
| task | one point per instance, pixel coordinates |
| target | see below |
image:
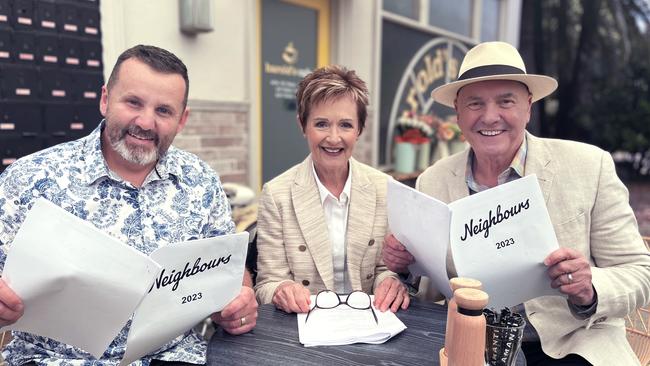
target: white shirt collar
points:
(324, 192)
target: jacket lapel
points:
(361, 213)
(311, 219)
(457, 186)
(539, 162)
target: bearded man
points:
(127, 180)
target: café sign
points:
(434, 64)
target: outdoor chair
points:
(637, 325)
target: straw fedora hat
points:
(493, 61)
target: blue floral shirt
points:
(181, 199)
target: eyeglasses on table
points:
(358, 300)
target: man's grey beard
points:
(135, 155)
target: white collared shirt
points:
(336, 217)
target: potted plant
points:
(413, 142)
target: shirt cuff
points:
(584, 311)
(411, 281)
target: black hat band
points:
(490, 70)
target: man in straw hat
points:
(602, 265)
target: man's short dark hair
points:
(158, 59)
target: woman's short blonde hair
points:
(330, 83)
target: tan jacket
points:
(292, 238)
(589, 209)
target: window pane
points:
(490, 20)
(407, 8)
(454, 16)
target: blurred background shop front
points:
(245, 58)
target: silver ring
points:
(569, 276)
(242, 321)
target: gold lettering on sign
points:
(452, 70)
(432, 71)
(290, 54)
(286, 70)
(290, 57)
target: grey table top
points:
(274, 341)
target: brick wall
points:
(218, 132)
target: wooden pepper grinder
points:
(467, 345)
(455, 283)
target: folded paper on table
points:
(344, 325)
(499, 236)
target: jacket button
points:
(302, 248)
(305, 282)
(371, 242)
(369, 276)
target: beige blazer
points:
(589, 209)
(292, 238)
